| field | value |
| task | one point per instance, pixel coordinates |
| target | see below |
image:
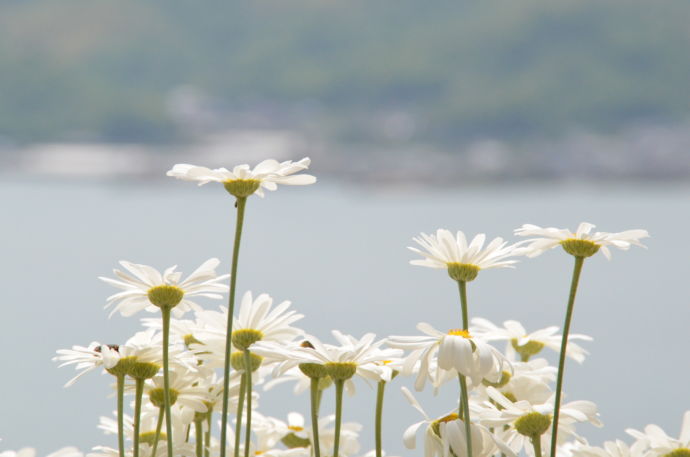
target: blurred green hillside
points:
(464, 69)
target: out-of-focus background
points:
(478, 116)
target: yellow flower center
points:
(295, 428)
(436, 425)
(460, 332)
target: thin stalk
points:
(238, 416)
(379, 417)
(159, 425)
(462, 288)
(577, 269)
(339, 384)
(248, 374)
(207, 434)
(318, 401)
(199, 434)
(466, 410)
(314, 397)
(241, 203)
(138, 395)
(120, 414)
(536, 442)
(166, 378)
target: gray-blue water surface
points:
(338, 251)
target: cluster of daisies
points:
(187, 383)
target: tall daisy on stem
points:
(463, 261)
(144, 287)
(242, 182)
(341, 363)
(581, 245)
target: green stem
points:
(462, 286)
(339, 384)
(248, 374)
(379, 418)
(536, 442)
(314, 396)
(241, 203)
(198, 432)
(138, 395)
(207, 434)
(577, 269)
(464, 401)
(159, 425)
(524, 357)
(120, 413)
(318, 400)
(166, 378)
(466, 409)
(239, 416)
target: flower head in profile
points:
(526, 344)
(582, 243)
(363, 357)
(657, 443)
(446, 435)
(519, 422)
(463, 260)
(85, 359)
(144, 287)
(457, 351)
(609, 449)
(243, 181)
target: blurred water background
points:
(473, 116)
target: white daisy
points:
(456, 350)
(147, 288)
(181, 418)
(527, 344)
(524, 418)
(581, 243)
(257, 321)
(447, 434)
(266, 175)
(462, 260)
(184, 390)
(609, 449)
(85, 359)
(357, 356)
(658, 443)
